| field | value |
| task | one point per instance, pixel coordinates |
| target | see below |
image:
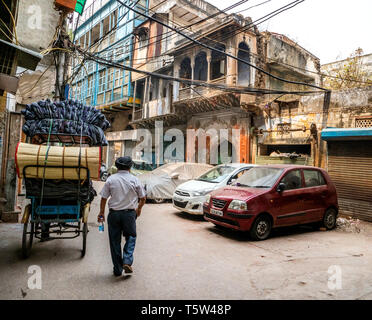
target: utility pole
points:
(61, 59)
(61, 55)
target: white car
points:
(190, 196)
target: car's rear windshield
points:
(217, 174)
(259, 177)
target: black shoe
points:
(45, 237)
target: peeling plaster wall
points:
(287, 59)
(365, 61)
(232, 119)
(345, 106)
(119, 120)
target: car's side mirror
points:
(175, 175)
(281, 187)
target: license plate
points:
(217, 212)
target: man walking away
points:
(124, 190)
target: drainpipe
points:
(134, 100)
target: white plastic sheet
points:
(161, 182)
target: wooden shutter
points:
(350, 168)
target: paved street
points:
(183, 257)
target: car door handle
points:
(324, 194)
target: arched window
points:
(244, 71)
(218, 63)
(185, 70)
(201, 67)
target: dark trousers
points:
(122, 223)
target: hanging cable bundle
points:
(69, 117)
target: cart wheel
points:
(85, 233)
(28, 235)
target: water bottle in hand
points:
(101, 226)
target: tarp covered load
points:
(35, 155)
(65, 117)
(62, 190)
(162, 182)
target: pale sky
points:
(329, 29)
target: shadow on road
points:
(42, 252)
(275, 233)
(188, 216)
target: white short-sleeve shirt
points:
(123, 189)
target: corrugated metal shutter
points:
(350, 168)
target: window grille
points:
(283, 128)
(8, 55)
(78, 90)
(90, 67)
(110, 55)
(363, 123)
(102, 81)
(110, 78)
(126, 48)
(117, 78)
(90, 86)
(118, 53)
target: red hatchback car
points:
(271, 196)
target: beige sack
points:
(33, 154)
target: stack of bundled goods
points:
(65, 117)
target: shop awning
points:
(334, 134)
(26, 58)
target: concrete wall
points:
(365, 61)
(9, 180)
(36, 85)
(35, 18)
(345, 107)
(3, 114)
(119, 120)
(288, 60)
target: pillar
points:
(192, 63)
(209, 59)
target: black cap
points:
(124, 162)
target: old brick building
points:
(199, 107)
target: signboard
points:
(76, 5)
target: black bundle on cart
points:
(58, 167)
(69, 118)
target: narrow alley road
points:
(183, 257)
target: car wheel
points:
(104, 177)
(158, 200)
(330, 219)
(261, 228)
